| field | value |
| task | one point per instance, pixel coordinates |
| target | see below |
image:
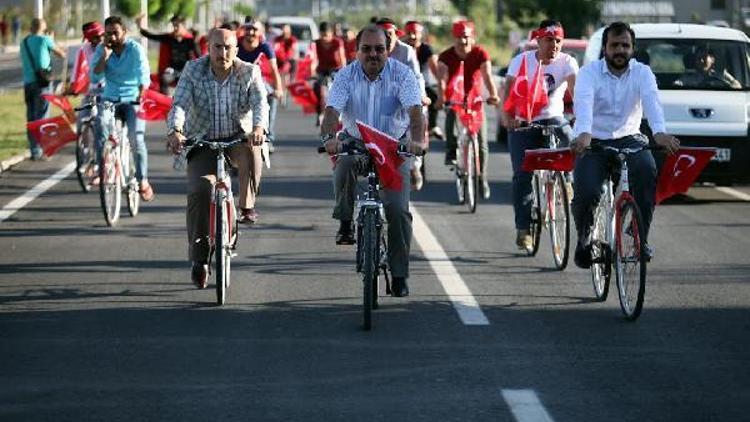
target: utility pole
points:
(105, 9)
(144, 22)
(39, 9)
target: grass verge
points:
(12, 124)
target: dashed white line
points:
(461, 297)
(733, 192)
(526, 406)
(37, 190)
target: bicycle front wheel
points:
(630, 259)
(110, 185)
(222, 254)
(85, 156)
(370, 252)
(472, 175)
(131, 183)
(601, 252)
(559, 220)
(537, 215)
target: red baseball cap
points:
(463, 29)
(94, 30)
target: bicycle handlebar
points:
(216, 144)
(351, 148)
(530, 126)
(626, 151)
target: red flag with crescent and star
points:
(557, 159)
(52, 134)
(303, 94)
(680, 170)
(80, 81)
(527, 97)
(154, 106)
(384, 152)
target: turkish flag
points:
(62, 103)
(680, 170)
(384, 151)
(557, 159)
(454, 91)
(527, 97)
(304, 69)
(80, 81)
(303, 94)
(52, 134)
(472, 114)
(265, 68)
(154, 106)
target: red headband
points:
(553, 31)
(413, 27)
(388, 26)
(94, 30)
(463, 29)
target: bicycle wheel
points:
(601, 252)
(131, 183)
(472, 175)
(222, 255)
(370, 253)
(630, 259)
(459, 171)
(85, 155)
(537, 222)
(110, 185)
(559, 220)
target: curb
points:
(12, 161)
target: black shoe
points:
(582, 257)
(345, 235)
(199, 275)
(399, 288)
(450, 158)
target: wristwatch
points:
(174, 130)
(325, 138)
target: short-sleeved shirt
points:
(472, 62)
(555, 75)
(383, 103)
(328, 57)
(251, 56)
(350, 50)
(182, 50)
(424, 52)
(125, 73)
(39, 46)
(285, 49)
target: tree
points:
(575, 15)
(158, 10)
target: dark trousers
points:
(432, 111)
(592, 170)
(36, 108)
(451, 141)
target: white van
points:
(700, 108)
(304, 28)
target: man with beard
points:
(611, 96)
(176, 48)
(383, 93)
(559, 70)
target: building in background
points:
(717, 12)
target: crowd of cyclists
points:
(232, 80)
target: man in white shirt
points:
(610, 98)
(559, 70)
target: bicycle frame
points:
(222, 192)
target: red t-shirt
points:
(285, 49)
(328, 58)
(350, 50)
(472, 62)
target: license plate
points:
(722, 155)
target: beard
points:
(617, 61)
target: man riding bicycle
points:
(93, 33)
(177, 48)
(611, 96)
(218, 97)
(124, 65)
(328, 58)
(559, 75)
(385, 94)
(475, 59)
(286, 48)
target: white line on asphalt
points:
(458, 292)
(733, 192)
(37, 190)
(526, 406)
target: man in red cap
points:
(475, 59)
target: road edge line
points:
(11, 207)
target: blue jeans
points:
(135, 126)
(36, 108)
(273, 104)
(518, 143)
(592, 169)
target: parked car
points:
(304, 28)
(574, 47)
(701, 109)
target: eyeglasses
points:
(379, 49)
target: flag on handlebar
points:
(472, 116)
(52, 134)
(384, 151)
(303, 94)
(154, 106)
(527, 97)
(558, 159)
(62, 103)
(680, 170)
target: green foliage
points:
(129, 8)
(243, 9)
(158, 10)
(575, 15)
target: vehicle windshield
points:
(301, 32)
(696, 64)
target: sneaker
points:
(416, 179)
(199, 274)
(582, 257)
(271, 148)
(399, 287)
(248, 216)
(649, 252)
(524, 241)
(485, 188)
(436, 132)
(146, 191)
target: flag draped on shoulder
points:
(680, 170)
(52, 133)
(154, 106)
(528, 95)
(384, 152)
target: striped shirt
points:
(383, 103)
(222, 124)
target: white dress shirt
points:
(611, 107)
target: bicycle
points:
(223, 233)
(86, 145)
(467, 166)
(618, 222)
(117, 169)
(550, 204)
(371, 255)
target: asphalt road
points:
(101, 323)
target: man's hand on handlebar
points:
(256, 137)
(175, 142)
(416, 148)
(580, 143)
(493, 100)
(508, 121)
(669, 142)
(332, 146)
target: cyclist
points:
(559, 70)
(428, 65)
(385, 94)
(475, 59)
(124, 65)
(177, 48)
(611, 96)
(218, 97)
(93, 33)
(329, 58)
(253, 44)
(350, 44)
(287, 50)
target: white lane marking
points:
(526, 406)
(463, 301)
(733, 192)
(37, 190)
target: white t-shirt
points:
(555, 82)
